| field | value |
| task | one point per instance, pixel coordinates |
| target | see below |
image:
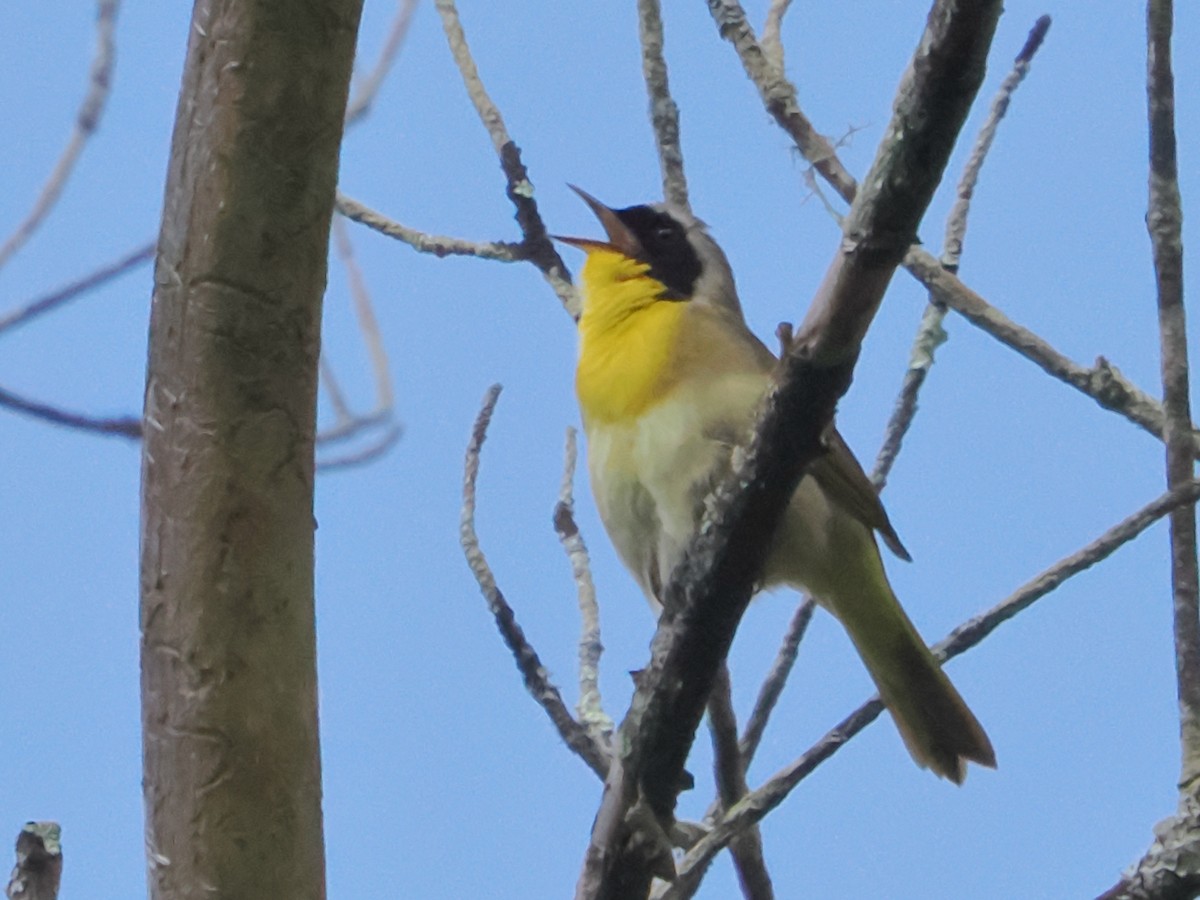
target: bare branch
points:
(707, 594)
(930, 334)
(1164, 221)
(664, 114)
(729, 769)
(368, 325)
(772, 686)
(347, 423)
(438, 245)
(537, 681)
(368, 86)
(86, 121)
(761, 801)
(590, 706)
(371, 451)
(772, 37)
(768, 696)
(538, 248)
(779, 95)
(118, 426)
(68, 292)
(337, 397)
(956, 223)
(1104, 383)
(38, 871)
(130, 426)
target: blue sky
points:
(442, 777)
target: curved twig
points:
(772, 33)
(1103, 382)
(86, 121)
(590, 706)
(537, 681)
(116, 426)
(930, 333)
(779, 95)
(368, 86)
(368, 324)
(370, 451)
(729, 770)
(56, 298)
(664, 114)
(773, 684)
(538, 248)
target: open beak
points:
(620, 238)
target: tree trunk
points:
(232, 775)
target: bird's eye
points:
(664, 232)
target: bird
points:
(668, 379)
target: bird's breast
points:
(651, 472)
(623, 366)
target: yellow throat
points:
(627, 335)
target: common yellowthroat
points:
(668, 380)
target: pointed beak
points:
(620, 238)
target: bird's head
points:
(661, 244)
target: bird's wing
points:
(846, 484)
(837, 472)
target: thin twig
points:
(761, 801)
(372, 450)
(1164, 221)
(1103, 382)
(590, 706)
(772, 33)
(59, 296)
(956, 222)
(664, 114)
(772, 686)
(342, 413)
(537, 246)
(86, 122)
(537, 680)
(117, 426)
(768, 695)
(779, 95)
(729, 770)
(364, 311)
(368, 86)
(438, 245)
(347, 423)
(930, 333)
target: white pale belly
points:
(649, 476)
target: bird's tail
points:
(938, 728)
